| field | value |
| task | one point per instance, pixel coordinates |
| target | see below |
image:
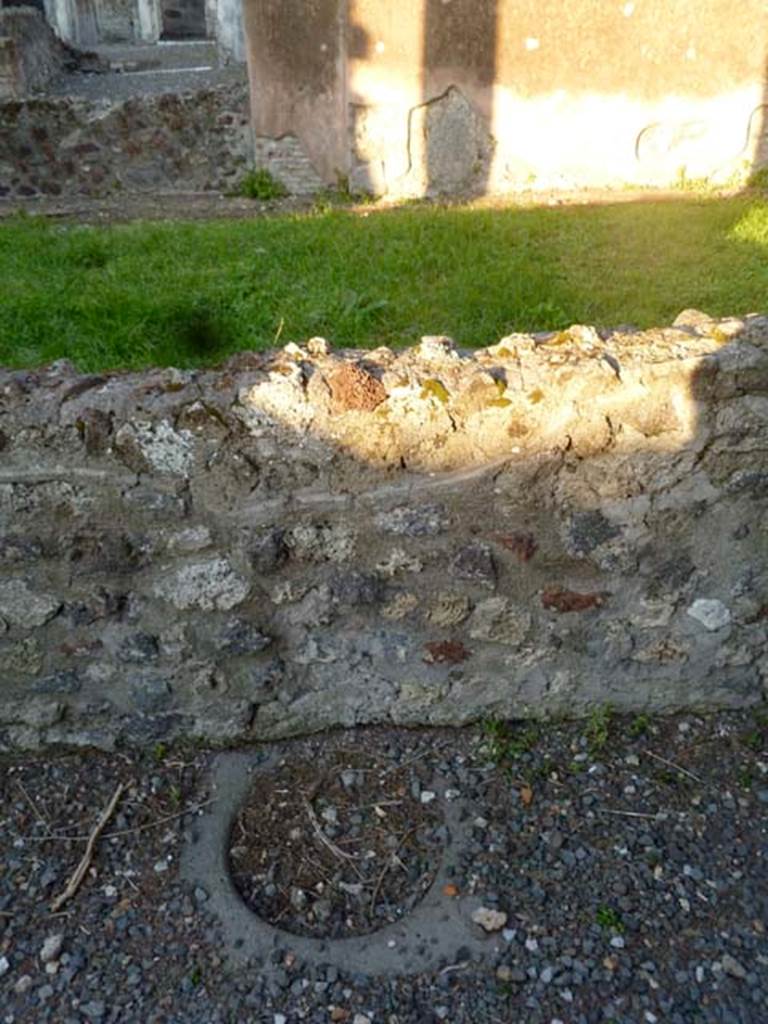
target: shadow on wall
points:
(611, 549)
(457, 145)
(513, 94)
(602, 513)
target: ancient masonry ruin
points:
(403, 99)
(304, 539)
(125, 119)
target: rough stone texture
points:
(431, 96)
(175, 142)
(549, 525)
(30, 53)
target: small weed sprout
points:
(504, 746)
(259, 183)
(639, 726)
(609, 919)
(598, 729)
(757, 738)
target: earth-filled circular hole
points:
(340, 839)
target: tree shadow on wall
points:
(454, 129)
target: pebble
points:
(94, 1010)
(489, 920)
(51, 947)
(4, 965)
(732, 966)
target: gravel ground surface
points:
(149, 70)
(626, 857)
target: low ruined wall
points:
(304, 539)
(443, 96)
(168, 142)
(30, 53)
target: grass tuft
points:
(259, 183)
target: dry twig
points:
(391, 860)
(671, 764)
(631, 814)
(38, 813)
(317, 829)
(80, 871)
(193, 809)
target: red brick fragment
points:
(523, 545)
(558, 599)
(354, 389)
(446, 652)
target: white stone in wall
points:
(166, 450)
(208, 585)
(712, 614)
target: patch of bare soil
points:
(174, 206)
(180, 206)
(339, 841)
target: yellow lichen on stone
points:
(432, 388)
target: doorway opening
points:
(183, 19)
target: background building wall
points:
(89, 23)
(440, 96)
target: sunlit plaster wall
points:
(440, 95)
(613, 92)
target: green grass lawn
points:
(188, 294)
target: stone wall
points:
(302, 539)
(30, 54)
(168, 142)
(441, 96)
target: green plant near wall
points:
(259, 183)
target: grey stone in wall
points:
(431, 537)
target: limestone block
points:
(208, 585)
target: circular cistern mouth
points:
(342, 852)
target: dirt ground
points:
(176, 206)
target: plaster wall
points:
(300, 539)
(435, 96)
